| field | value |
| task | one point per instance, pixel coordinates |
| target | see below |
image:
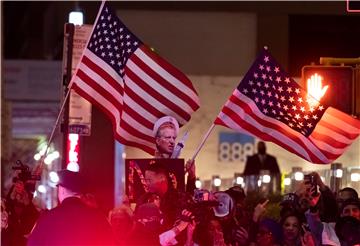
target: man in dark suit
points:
(263, 161)
(72, 222)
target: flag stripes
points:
(130, 83)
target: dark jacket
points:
(71, 223)
(254, 165)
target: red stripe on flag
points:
(284, 130)
(145, 105)
(146, 148)
(136, 116)
(329, 140)
(102, 73)
(337, 129)
(135, 132)
(156, 95)
(99, 89)
(166, 84)
(168, 67)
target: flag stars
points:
(315, 117)
(262, 92)
(270, 103)
(256, 75)
(276, 69)
(245, 91)
(294, 108)
(258, 84)
(302, 109)
(266, 59)
(251, 82)
(321, 108)
(309, 125)
(269, 94)
(285, 107)
(263, 76)
(280, 89)
(268, 68)
(291, 99)
(297, 116)
(297, 90)
(278, 79)
(103, 54)
(300, 100)
(289, 90)
(306, 117)
(282, 98)
(265, 111)
(261, 67)
(266, 85)
(287, 80)
(254, 91)
(263, 102)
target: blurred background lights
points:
(198, 183)
(217, 182)
(299, 176)
(287, 181)
(76, 17)
(41, 188)
(54, 177)
(338, 173)
(266, 179)
(355, 177)
(73, 166)
(239, 180)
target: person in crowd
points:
(348, 231)
(172, 201)
(269, 233)
(350, 207)
(309, 188)
(148, 221)
(165, 132)
(344, 194)
(323, 232)
(122, 223)
(72, 222)
(291, 226)
(22, 213)
(263, 161)
(236, 226)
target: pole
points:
(67, 69)
(202, 142)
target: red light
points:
(73, 152)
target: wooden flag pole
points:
(202, 142)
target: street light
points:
(76, 17)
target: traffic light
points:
(340, 93)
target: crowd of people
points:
(311, 215)
(164, 215)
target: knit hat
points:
(70, 180)
(350, 201)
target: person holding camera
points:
(22, 213)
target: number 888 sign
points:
(235, 147)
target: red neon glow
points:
(73, 152)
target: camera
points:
(25, 175)
(312, 181)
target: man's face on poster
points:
(165, 140)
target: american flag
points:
(270, 105)
(131, 83)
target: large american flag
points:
(270, 105)
(131, 83)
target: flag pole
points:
(202, 142)
(54, 128)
